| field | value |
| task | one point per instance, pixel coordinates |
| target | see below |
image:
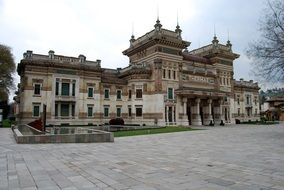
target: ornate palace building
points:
(164, 84)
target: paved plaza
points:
(220, 158)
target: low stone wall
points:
(90, 137)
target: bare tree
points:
(7, 68)
(268, 52)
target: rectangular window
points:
(56, 88)
(64, 110)
(65, 89)
(238, 99)
(169, 74)
(129, 94)
(255, 111)
(174, 75)
(36, 110)
(170, 94)
(106, 93)
(118, 112)
(255, 100)
(239, 111)
(73, 89)
(106, 111)
(138, 93)
(37, 89)
(248, 100)
(129, 112)
(138, 111)
(90, 111)
(90, 92)
(118, 94)
(73, 110)
(56, 110)
(164, 73)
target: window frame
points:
(129, 94)
(61, 106)
(39, 84)
(106, 90)
(136, 93)
(172, 93)
(136, 113)
(92, 95)
(120, 93)
(164, 73)
(90, 108)
(120, 111)
(36, 105)
(129, 111)
(62, 89)
(106, 108)
(56, 88)
(73, 93)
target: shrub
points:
(6, 123)
(238, 121)
(116, 121)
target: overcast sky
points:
(102, 29)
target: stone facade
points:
(164, 84)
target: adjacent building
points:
(164, 84)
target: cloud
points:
(102, 29)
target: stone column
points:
(59, 110)
(166, 115)
(59, 88)
(173, 114)
(209, 112)
(197, 119)
(219, 113)
(184, 120)
(184, 105)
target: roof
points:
(246, 84)
(111, 76)
(195, 58)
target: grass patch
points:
(150, 131)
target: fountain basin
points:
(24, 134)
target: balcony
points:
(61, 98)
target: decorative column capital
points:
(184, 100)
(197, 100)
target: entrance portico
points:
(201, 108)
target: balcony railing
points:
(173, 100)
(65, 98)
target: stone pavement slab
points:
(234, 157)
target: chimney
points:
(99, 62)
(51, 54)
(82, 58)
(29, 54)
